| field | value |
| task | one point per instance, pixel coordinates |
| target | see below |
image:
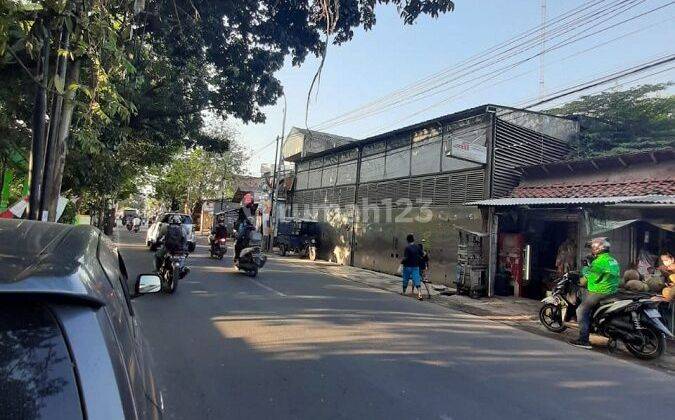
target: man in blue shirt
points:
(411, 266)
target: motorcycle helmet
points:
(247, 200)
(175, 220)
(599, 245)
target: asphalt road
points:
(297, 344)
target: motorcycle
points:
(631, 318)
(173, 269)
(136, 228)
(130, 226)
(218, 247)
(251, 259)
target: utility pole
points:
(274, 185)
(277, 158)
(542, 89)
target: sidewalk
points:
(516, 312)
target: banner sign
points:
(463, 149)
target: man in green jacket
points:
(602, 280)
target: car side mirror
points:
(148, 283)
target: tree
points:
(616, 122)
(132, 79)
(197, 175)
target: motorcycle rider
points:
(602, 278)
(218, 230)
(173, 240)
(243, 224)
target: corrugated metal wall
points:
(517, 146)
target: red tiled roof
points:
(640, 187)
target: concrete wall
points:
(380, 235)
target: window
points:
(398, 163)
(329, 176)
(316, 163)
(398, 142)
(301, 181)
(348, 155)
(372, 168)
(38, 381)
(314, 179)
(346, 173)
(303, 166)
(426, 156)
(110, 262)
(374, 148)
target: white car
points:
(154, 231)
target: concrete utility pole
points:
(277, 158)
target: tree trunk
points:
(52, 153)
(61, 146)
(38, 124)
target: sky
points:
(392, 56)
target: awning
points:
(548, 201)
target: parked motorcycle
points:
(218, 247)
(173, 269)
(631, 318)
(251, 259)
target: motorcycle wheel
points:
(652, 347)
(253, 273)
(173, 282)
(220, 256)
(550, 316)
(282, 250)
(312, 253)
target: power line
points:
(488, 58)
(497, 72)
(472, 59)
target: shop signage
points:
(466, 150)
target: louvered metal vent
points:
(516, 146)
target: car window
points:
(165, 218)
(37, 380)
(110, 261)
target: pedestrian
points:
(411, 266)
(424, 261)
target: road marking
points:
(275, 291)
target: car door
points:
(126, 328)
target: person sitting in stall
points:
(667, 268)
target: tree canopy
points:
(122, 86)
(621, 121)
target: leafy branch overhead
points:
(620, 121)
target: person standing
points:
(411, 266)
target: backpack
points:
(173, 240)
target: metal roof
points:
(540, 201)
(608, 162)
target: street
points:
(297, 344)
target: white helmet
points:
(599, 245)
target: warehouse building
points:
(369, 194)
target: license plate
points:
(652, 313)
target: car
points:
(155, 230)
(70, 344)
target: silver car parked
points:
(156, 230)
(70, 345)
